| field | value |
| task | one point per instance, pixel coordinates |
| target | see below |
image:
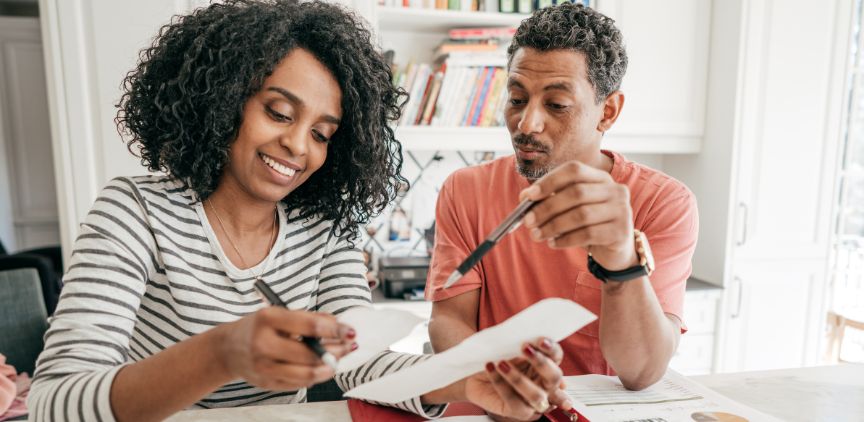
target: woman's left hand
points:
(521, 388)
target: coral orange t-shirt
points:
(519, 272)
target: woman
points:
(270, 121)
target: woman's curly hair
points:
(183, 103)
(575, 27)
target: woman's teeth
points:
(283, 170)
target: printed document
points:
(602, 398)
(553, 318)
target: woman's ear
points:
(611, 110)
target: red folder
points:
(366, 412)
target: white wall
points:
(710, 174)
(89, 47)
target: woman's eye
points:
(277, 116)
(320, 137)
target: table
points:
(823, 393)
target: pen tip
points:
(454, 277)
(330, 360)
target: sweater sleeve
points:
(87, 341)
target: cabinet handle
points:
(740, 285)
(742, 239)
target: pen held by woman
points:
(313, 343)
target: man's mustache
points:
(529, 142)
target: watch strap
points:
(605, 275)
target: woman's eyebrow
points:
(298, 102)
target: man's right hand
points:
(265, 350)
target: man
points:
(565, 67)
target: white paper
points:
(376, 331)
(602, 398)
(552, 318)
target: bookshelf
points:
(657, 119)
(426, 20)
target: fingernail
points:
(551, 242)
(350, 334)
(568, 405)
(490, 367)
(532, 191)
(504, 366)
(546, 344)
(536, 233)
(528, 351)
(529, 219)
(354, 347)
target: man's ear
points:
(611, 110)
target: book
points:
(432, 100)
(507, 6)
(481, 33)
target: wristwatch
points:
(644, 268)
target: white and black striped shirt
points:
(147, 272)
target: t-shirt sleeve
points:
(672, 231)
(452, 244)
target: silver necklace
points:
(231, 242)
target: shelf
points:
(430, 138)
(428, 20)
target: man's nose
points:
(531, 120)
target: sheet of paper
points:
(554, 318)
(376, 330)
(602, 398)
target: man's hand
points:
(521, 388)
(581, 206)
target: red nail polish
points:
(528, 351)
(354, 346)
(351, 334)
(504, 367)
(546, 344)
(490, 367)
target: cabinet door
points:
(789, 130)
(790, 99)
(773, 315)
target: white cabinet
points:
(665, 85)
(695, 354)
(766, 180)
(773, 316)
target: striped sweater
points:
(147, 272)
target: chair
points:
(23, 316)
(837, 325)
(48, 262)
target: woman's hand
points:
(521, 388)
(265, 350)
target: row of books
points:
(494, 6)
(455, 94)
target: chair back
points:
(23, 318)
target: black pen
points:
(509, 224)
(312, 342)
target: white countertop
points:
(825, 393)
